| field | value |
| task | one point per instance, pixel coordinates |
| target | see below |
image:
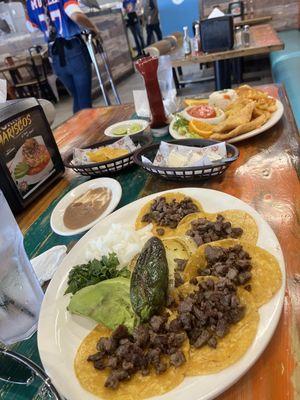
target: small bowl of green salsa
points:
(127, 128)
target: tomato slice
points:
(202, 111)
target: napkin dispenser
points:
(29, 158)
(217, 34)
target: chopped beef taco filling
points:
(204, 231)
(207, 314)
(232, 263)
(169, 214)
(151, 345)
(204, 317)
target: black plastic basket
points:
(108, 167)
(187, 173)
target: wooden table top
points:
(264, 40)
(266, 176)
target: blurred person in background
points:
(152, 21)
(133, 23)
(62, 21)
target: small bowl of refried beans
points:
(84, 206)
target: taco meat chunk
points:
(207, 314)
(151, 345)
(169, 214)
(232, 263)
(204, 231)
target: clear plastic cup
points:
(20, 292)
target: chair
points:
(20, 77)
(29, 78)
(41, 69)
(11, 92)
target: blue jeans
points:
(76, 75)
(138, 37)
(153, 28)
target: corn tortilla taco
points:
(167, 228)
(237, 219)
(233, 346)
(138, 387)
(266, 277)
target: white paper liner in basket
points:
(178, 156)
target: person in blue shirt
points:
(62, 21)
(134, 25)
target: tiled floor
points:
(256, 73)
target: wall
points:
(175, 14)
(285, 13)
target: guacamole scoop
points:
(107, 302)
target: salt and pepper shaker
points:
(246, 36)
(238, 37)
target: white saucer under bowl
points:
(57, 221)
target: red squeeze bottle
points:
(148, 67)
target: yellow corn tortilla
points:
(266, 275)
(169, 197)
(232, 347)
(177, 247)
(238, 219)
(139, 387)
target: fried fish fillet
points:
(236, 118)
(243, 128)
(257, 112)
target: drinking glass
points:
(20, 301)
(20, 292)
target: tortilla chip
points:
(105, 154)
(139, 387)
(232, 347)
(145, 210)
(266, 275)
(238, 219)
